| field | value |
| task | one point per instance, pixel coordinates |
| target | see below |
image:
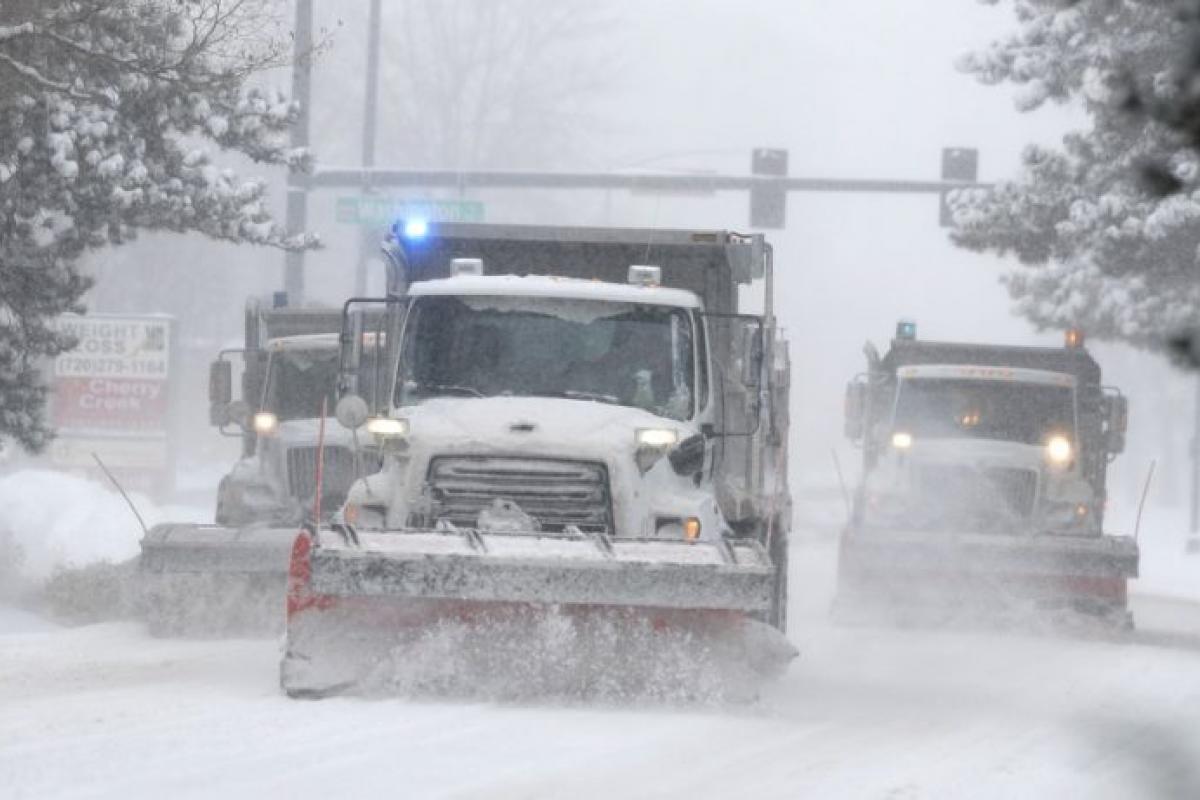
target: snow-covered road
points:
(106, 711)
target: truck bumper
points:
(950, 574)
(211, 579)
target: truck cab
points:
(1016, 428)
(286, 381)
(985, 438)
(550, 402)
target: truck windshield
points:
(621, 353)
(300, 378)
(940, 408)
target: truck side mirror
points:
(1116, 423)
(739, 349)
(855, 410)
(220, 392)
(352, 412)
(220, 382)
(238, 413)
(350, 352)
(687, 457)
(752, 363)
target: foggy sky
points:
(862, 89)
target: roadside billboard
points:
(111, 395)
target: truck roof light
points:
(466, 266)
(415, 228)
(906, 329)
(645, 275)
(1073, 338)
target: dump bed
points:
(280, 322)
(709, 263)
(1070, 360)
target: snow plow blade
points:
(909, 576)
(209, 579)
(359, 601)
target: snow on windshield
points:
(620, 353)
(938, 408)
(301, 378)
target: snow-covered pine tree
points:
(1099, 247)
(106, 107)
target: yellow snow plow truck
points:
(983, 486)
(583, 462)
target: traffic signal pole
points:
(370, 113)
(768, 185)
(297, 192)
(359, 178)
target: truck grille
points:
(555, 493)
(1018, 487)
(336, 477)
(965, 498)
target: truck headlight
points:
(1069, 517)
(660, 438)
(265, 423)
(652, 445)
(902, 440)
(387, 427)
(366, 516)
(686, 528)
(1059, 450)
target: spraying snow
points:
(60, 521)
(864, 714)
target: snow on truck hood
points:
(543, 425)
(307, 431)
(550, 286)
(980, 452)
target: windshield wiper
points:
(574, 394)
(445, 387)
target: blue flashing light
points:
(906, 329)
(416, 228)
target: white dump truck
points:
(983, 485)
(576, 422)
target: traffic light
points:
(958, 164)
(768, 199)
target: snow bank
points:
(58, 520)
(1166, 568)
(17, 621)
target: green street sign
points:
(371, 210)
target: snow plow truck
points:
(983, 487)
(580, 432)
(231, 576)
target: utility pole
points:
(297, 192)
(370, 114)
(1194, 451)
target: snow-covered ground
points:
(1167, 569)
(106, 711)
